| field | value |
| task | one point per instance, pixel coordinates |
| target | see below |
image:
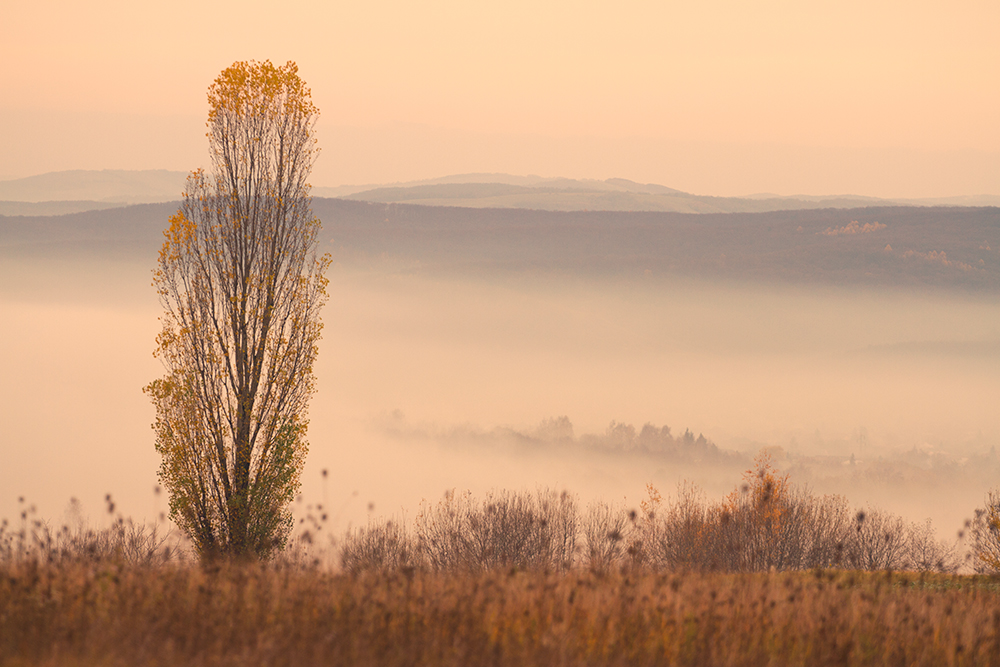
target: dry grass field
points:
(769, 576)
(102, 612)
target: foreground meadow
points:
(107, 613)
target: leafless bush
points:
(770, 524)
(879, 541)
(765, 524)
(826, 526)
(124, 541)
(676, 537)
(507, 529)
(382, 545)
(605, 529)
(926, 553)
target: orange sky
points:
(721, 98)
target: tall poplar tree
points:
(241, 287)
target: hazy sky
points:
(726, 98)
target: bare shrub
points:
(124, 542)
(926, 553)
(878, 542)
(826, 524)
(527, 531)
(382, 545)
(676, 537)
(765, 524)
(605, 530)
(769, 524)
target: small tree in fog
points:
(241, 287)
(753, 523)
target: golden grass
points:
(86, 613)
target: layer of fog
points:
(428, 384)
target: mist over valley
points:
(592, 351)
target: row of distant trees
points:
(765, 524)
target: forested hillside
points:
(940, 247)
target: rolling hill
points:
(931, 247)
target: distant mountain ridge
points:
(624, 196)
(119, 186)
(59, 193)
(484, 190)
(615, 194)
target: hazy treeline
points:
(863, 465)
(557, 434)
